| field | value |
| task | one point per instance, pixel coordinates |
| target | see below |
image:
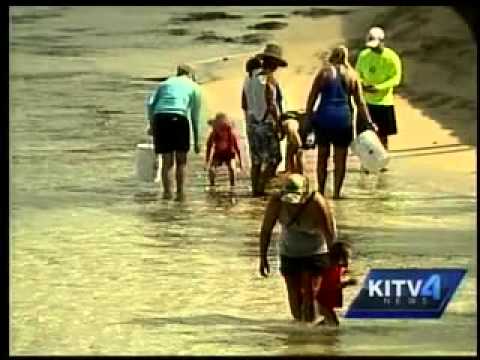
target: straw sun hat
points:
(274, 51)
(294, 189)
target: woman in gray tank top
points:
(308, 231)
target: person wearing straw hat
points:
(263, 118)
(380, 70)
(170, 107)
(308, 232)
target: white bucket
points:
(145, 166)
(370, 150)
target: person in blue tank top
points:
(332, 120)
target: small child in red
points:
(330, 294)
(224, 142)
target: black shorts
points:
(314, 264)
(171, 132)
(338, 137)
(384, 117)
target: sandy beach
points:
(435, 104)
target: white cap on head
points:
(294, 189)
(375, 36)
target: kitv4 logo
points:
(405, 293)
(405, 289)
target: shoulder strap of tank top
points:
(334, 72)
(300, 210)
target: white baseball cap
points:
(375, 36)
(294, 189)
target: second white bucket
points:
(370, 150)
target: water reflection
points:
(206, 319)
(222, 199)
(286, 336)
(145, 197)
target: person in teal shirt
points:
(380, 70)
(171, 107)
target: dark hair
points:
(270, 62)
(339, 249)
(184, 69)
(252, 64)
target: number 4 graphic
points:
(432, 287)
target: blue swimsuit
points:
(332, 121)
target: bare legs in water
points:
(260, 178)
(384, 141)
(231, 172)
(179, 159)
(302, 291)
(294, 159)
(294, 289)
(254, 177)
(322, 161)
(340, 162)
(167, 172)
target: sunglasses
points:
(371, 37)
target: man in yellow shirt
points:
(380, 70)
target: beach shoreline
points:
(418, 123)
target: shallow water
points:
(101, 265)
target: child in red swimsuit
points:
(224, 142)
(330, 294)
